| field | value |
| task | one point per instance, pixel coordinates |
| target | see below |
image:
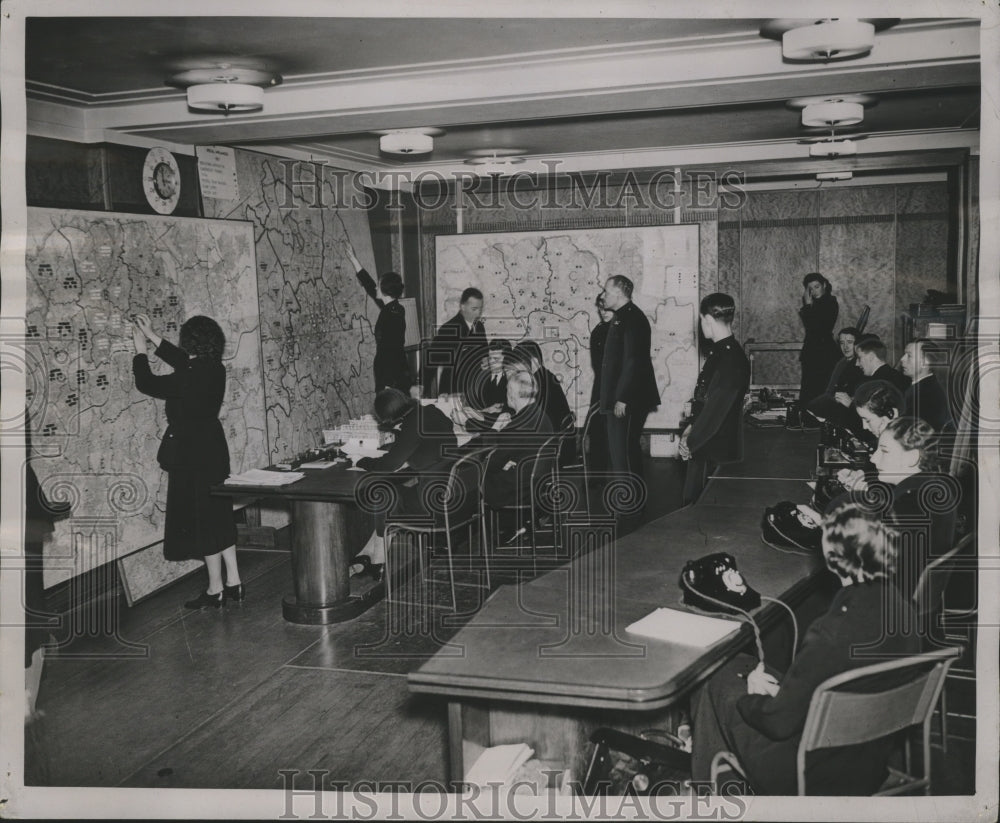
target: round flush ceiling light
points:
(223, 87)
(408, 141)
(828, 40)
(225, 97)
(832, 114)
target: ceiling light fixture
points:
(834, 176)
(225, 88)
(832, 112)
(833, 148)
(490, 162)
(811, 40)
(408, 141)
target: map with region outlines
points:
(542, 285)
(96, 436)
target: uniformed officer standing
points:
(715, 433)
(628, 387)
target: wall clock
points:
(161, 180)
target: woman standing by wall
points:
(390, 366)
(193, 451)
(820, 352)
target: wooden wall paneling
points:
(859, 260)
(921, 261)
(857, 201)
(729, 269)
(64, 175)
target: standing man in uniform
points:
(628, 388)
(452, 359)
(715, 433)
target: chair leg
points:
(451, 572)
(484, 551)
(943, 708)
(387, 537)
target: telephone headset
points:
(713, 583)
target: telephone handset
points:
(714, 583)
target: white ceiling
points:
(588, 93)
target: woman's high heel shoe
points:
(206, 601)
(236, 593)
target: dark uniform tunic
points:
(820, 351)
(390, 366)
(457, 349)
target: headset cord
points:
(746, 614)
(795, 623)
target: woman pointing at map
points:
(193, 451)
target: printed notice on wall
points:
(217, 172)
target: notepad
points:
(684, 628)
(263, 477)
(321, 464)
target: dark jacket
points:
(598, 339)
(846, 377)
(423, 438)
(194, 439)
(848, 636)
(507, 475)
(627, 370)
(717, 411)
(553, 399)
(484, 391)
(818, 319)
(390, 366)
(457, 349)
(890, 375)
(926, 399)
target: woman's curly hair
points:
(202, 337)
(913, 433)
(856, 544)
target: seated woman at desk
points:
(877, 403)
(759, 716)
(912, 494)
(424, 437)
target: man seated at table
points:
(872, 353)
(486, 398)
(835, 402)
(925, 398)
(515, 440)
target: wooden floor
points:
(229, 698)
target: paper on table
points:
(263, 477)
(320, 464)
(684, 628)
(498, 764)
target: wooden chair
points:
(839, 716)
(460, 506)
(583, 459)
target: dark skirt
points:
(197, 523)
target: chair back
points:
(842, 716)
(461, 498)
(928, 593)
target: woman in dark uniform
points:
(599, 460)
(391, 368)
(820, 352)
(193, 452)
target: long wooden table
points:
(327, 529)
(548, 661)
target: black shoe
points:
(206, 601)
(237, 593)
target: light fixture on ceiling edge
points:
(824, 176)
(408, 141)
(811, 40)
(225, 88)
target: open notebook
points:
(684, 628)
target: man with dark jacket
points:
(872, 353)
(628, 387)
(451, 361)
(924, 398)
(715, 433)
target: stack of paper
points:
(263, 477)
(499, 764)
(684, 628)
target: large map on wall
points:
(316, 321)
(542, 285)
(97, 437)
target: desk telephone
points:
(714, 583)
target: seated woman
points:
(424, 438)
(912, 494)
(758, 715)
(551, 396)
